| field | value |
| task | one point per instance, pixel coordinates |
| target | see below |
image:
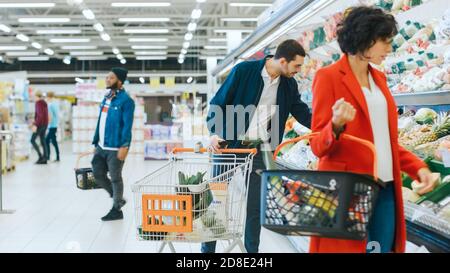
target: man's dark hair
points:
(289, 50)
(363, 27)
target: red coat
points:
(330, 84)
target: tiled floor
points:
(52, 215)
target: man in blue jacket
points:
(266, 93)
(112, 140)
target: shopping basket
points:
(84, 177)
(195, 197)
(319, 203)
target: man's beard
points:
(114, 86)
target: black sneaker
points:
(113, 214)
(123, 203)
(42, 162)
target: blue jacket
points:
(119, 121)
(244, 86)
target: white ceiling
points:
(171, 20)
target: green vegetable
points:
(200, 201)
(209, 220)
(425, 116)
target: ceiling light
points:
(44, 20)
(49, 51)
(196, 13)
(150, 53)
(186, 45)
(22, 53)
(144, 19)
(184, 51)
(5, 28)
(142, 80)
(58, 31)
(145, 30)
(116, 50)
(215, 47)
(149, 47)
(70, 40)
(180, 61)
(90, 58)
(88, 14)
(86, 53)
(145, 58)
(105, 37)
(201, 1)
(5, 48)
(78, 47)
(119, 56)
(139, 5)
(239, 19)
(217, 40)
(123, 61)
(36, 45)
(99, 27)
(234, 4)
(188, 36)
(67, 60)
(192, 27)
(138, 40)
(22, 37)
(78, 80)
(38, 58)
(189, 80)
(27, 5)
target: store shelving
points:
(423, 98)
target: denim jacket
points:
(119, 121)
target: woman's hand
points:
(214, 146)
(426, 178)
(343, 112)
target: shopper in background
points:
(352, 97)
(112, 140)
(53, 110)
(265, 83)
(39, 128)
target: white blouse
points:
(379, 120)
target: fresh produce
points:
(200, 200)
(431, 149)
(310, 215)
(409, 195)
(425, 116)
(440, 129)
(416, 186)
(210, 221)
(444, 145)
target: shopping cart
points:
(196, 197)
(319, 203)
(84, 177)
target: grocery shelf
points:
(423, 98)
(424, 12)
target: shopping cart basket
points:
(319, 203)
(84, 177)
(195, 197)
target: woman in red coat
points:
(352, 97)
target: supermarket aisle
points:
(52, 215)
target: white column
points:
(211, 81)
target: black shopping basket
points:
(319, 203)
(84, 177)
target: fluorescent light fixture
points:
(186, 45)
(201, 1)
(1, 58)
(90, 58)
(145, 30)
(149, 47)
(12, 47)
(196, 13)
(23, 38)
(70, 40)
(37, 58)
(86, 53)
(139, 4)
(88, 14)
(239, 19)
(149, 58)
(67, 60)
(78, 80)
(36, 45)
(49, 51)
(145, 40)
(180, 61)
(44, 20)
(142, 80)
(214, 47)
(150, 53)
(27, 5)
(143, 20)
(188, 36)
(5, 28)
(105, 37)
(192, 27)
(235, 4)
(217, 40)
(184, 51)
(189, 80)
(58, 31)
(77, 47)
(123, 61)
(115, 50)
(227, 30)
(22, 53)
(99, 27)
(119, 56)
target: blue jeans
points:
(382, 224)
(252, 222)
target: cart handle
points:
(225, 151)
(364, 142)
(79, 157)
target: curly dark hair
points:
(363, 27)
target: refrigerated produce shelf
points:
(441, 97)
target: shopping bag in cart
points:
(84, 176)
(319, 203)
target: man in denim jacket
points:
(112, 140)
